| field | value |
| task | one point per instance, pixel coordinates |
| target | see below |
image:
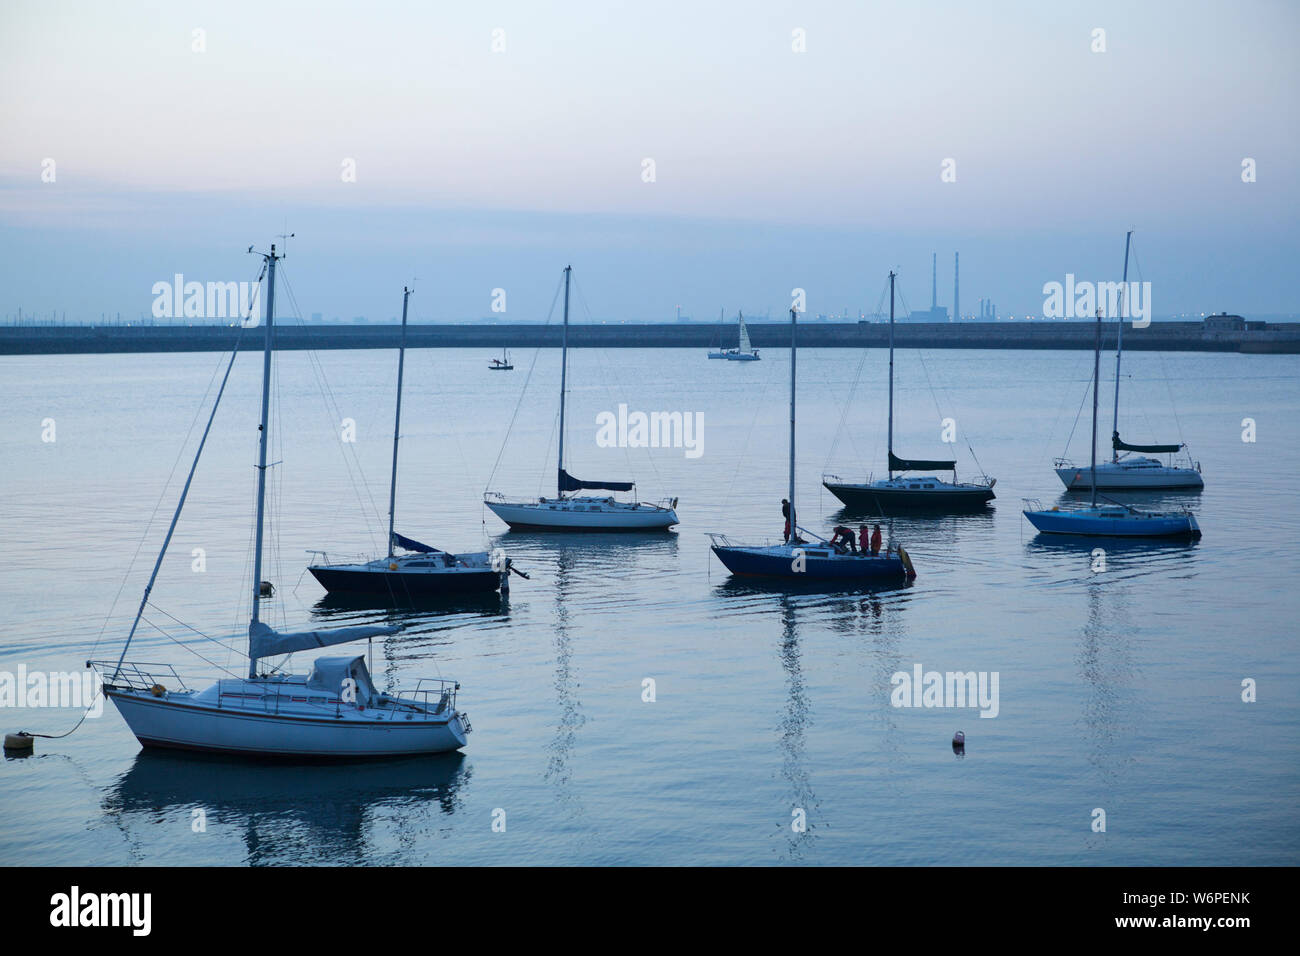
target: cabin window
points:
(929, 486)
(913, 486)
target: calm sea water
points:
(1119, 690)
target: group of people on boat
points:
(842, 539)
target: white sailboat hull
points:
(182, 722)
(1129, 474)
(583, 514)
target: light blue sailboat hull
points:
(1114, 523)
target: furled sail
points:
(264, 641)
(569, 483)
(744, 337)
(1120, 445)
(410, 544)
(919, 464)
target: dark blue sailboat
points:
(796, 559)
(422, 571)
(910, 494)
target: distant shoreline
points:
(1281, 338)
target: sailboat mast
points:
(397, 425)
(564, 371)
(263, 430)
(891, 375)
(1119, 336)
(794, 531)
(1096, 380)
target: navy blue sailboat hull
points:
(900, 501)
(818, 563)
(383, 583)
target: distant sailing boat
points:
(744, 352)
(333, 712)
(424, 571)
(503, 364)
(1132, 473)
(796, 559)
(566, 513)
(910, 495)
(1113, 520)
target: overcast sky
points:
(478, 169)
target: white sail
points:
(263, 641)
(744, 337)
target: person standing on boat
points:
(875, 541)
(785, 513)
(864, 539)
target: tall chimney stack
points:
(956, 286)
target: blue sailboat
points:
(1113, 519)
(796, 559)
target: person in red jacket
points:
(875, 540)
(843, 540)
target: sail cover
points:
(919, 464)
(264, 641)
(744, 337)
(410, 544)
(1121, 445)
(569, 483)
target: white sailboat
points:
(1114, 519)
(1131, 472)
(743, 352)
(567, 512)
(335, 711)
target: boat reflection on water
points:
(333, 607)
(800, 834)
(296, 813)
(1152, 550)
(530, 547)
(569, 714)
(835, 593)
